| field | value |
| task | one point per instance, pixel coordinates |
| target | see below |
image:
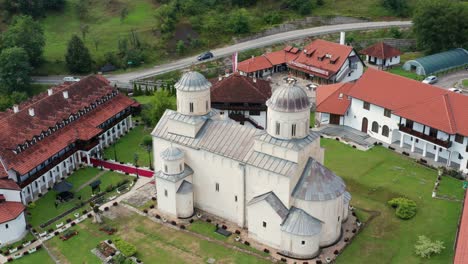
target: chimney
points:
(50, 91)
(15, 108)
(65, 94)
(220, 78)
(342, 38)
(31, 111)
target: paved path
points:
(125, 168)
(449, 80)
(125, 78)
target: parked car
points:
(455, 90)
(71, 79)
(205, 56)
(430, 80)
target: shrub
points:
(25, 253)
(247, 243)
(56, 233)
(405, 208)
(68, 220)
(336, 252)
(38, 247)
(32, 205)
(110, 188)
(115, 203)
(10, 259)
(152, 206)
(73, 223)
(182, 227)
(173, 223)
(208, 220)
(266, 250)
(126, 248)
(283, 260)
(238, 232)
(153, 198)
(426, 248)
(158, 216)
(51, 230)
(318, 261)
(106, 208)
(145, 211)
(191, 221)
(90, 215)
(84, 212)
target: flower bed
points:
(109, 230)
(68, 234)
(105, 249)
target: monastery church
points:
(272, 182)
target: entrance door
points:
(334, 119)
(364, 125)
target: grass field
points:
(155, 243)
(39, 256)
(375, 176)
(130, 144)
(399, 71)
(465, 83)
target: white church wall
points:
(259, 181)
(300, 246)
(286, 120)
(166, 195)
(184, 205)
(13, 230)
(11, 195)
(329, 212)
(264, 224)
(200, 100)
(173, 166)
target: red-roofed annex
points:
(395, 110)
(45, 138)
(382, 54)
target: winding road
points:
(124, 79)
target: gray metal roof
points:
(192, 82)
(440, 61)
(301, 223)
(273, 201)
(295, 144)
(194, 120)
(347, 197)
(185, 187)
(172, 153)
(229, 139)
(318, 183)
(174, 177)
(291, 98)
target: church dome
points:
(172, 153)
(289, 99)
(192, 82)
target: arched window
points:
(191, 107)
(293, 130)
(277, 128)
(375, 127)
(385, 131)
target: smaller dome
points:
(192, 82)
(172, 153)
(289, 99)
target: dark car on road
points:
(205, 56)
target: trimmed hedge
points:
(126, 248)
(405, 208)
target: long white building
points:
(12, 218)
(270, 181)
(418, 117)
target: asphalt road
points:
(125, 78)
(449, 80)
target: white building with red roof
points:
(12, 218)
(44, 139)
(418, 117)
(321, 61)
(382, 55)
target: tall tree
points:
(239, 21)
(166, 18)
(399, 7)
(78, 58)
(27, 34)
(161, 101)
(440, 25)
(15, 70)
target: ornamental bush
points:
(126, 248)
(426, 248)
(405, 208)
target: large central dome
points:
(192, 82)
(289, 99)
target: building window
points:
(293, 130)
(254, 112)
(191, 107)
(409, 123)
(387, 112)
(303, 242)
(165, 192)
(264, 224)
(366, 105)
(206, 105)
(385, 131)
(235, 198)
(338, 218)
(375, 127)
(217, 187)
(433, 132)
(6, 226)
(277, 128)
(459, 138)
(165, 168)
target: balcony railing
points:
(442, 143)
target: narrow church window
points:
(206, 104)
(302, 242)
(338, 218)
(277, 128)
(264, 224)
(165, 192)
(165, 168)
(191, 107)
(6, 226)
(235, 198)
(217, 187)
(180, 167)
(293, 130)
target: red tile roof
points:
(333, 57)
(381, 51)
(10, 211)
(426, 104)
(254, 64)
(333, 98)
(280, 57)
(240, 89)
(9, 185)
(461, 250)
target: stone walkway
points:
(138, 184)
(347, 135)
(4, 259)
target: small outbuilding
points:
(382, 55)
(438, 62)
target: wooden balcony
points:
(443, 143)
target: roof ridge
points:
(448, 108)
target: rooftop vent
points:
(50, 91)
(31, 111)
(340, 96)
(65, 94)
(15, 108)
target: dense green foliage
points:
(405, 208)
(14, 73)
(126, 248)
(399, 7)
(35, 8)
(78, 58)
(441, 25)
(153, 111)
(426, 248)
(28, 34)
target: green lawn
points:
(312, 119)
(143, 99)
(399, 71)
(375, 176)
(39, 256)
(465, 83)
(128, 145)
(155, 243)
